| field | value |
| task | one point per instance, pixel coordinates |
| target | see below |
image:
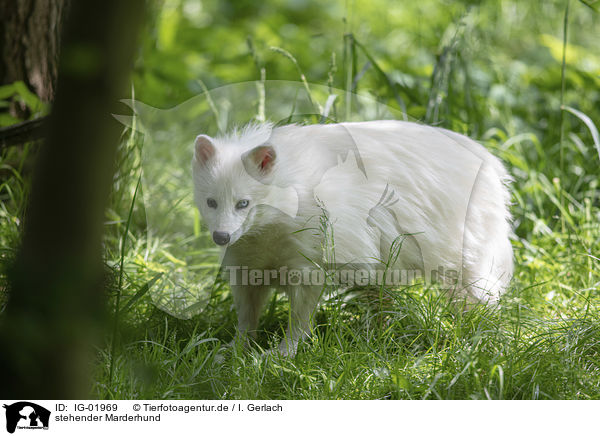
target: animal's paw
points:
(245, 339)
(287, 348)
(284, 349)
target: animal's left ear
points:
(204, 149)
(259, 160)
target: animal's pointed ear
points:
(204, 149)
(259, 160)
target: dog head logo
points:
(383, 218)
(167, 187)
(389, 237)
(26, 415)
(334, 185)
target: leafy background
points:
(496, 70)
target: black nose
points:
(221, 238)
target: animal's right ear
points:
(259, 161)
(204, 149)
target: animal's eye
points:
(211, 203)
(242, 204)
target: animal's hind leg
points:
(303, 303)
(488, 279)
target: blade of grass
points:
(260, 86)
(591, 4)
(588, 122)
(563, 84)
(391, 84)
(288, 55)
(120, 285)
(139, 294)
(330, 82)
(211, 104)
(562, 97)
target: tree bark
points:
(29, 42)
(56, 298)
(21, 133)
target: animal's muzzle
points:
(221, 238)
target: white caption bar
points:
(22, 417)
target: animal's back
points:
(380, 180)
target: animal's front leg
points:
(303, 304)
(249, 302)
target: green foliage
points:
(489, 69)
(18, 92)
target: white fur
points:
(444, 195)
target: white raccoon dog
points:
(393, 196)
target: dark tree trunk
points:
(56, 298)
(29, 44)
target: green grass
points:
(541, 342)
